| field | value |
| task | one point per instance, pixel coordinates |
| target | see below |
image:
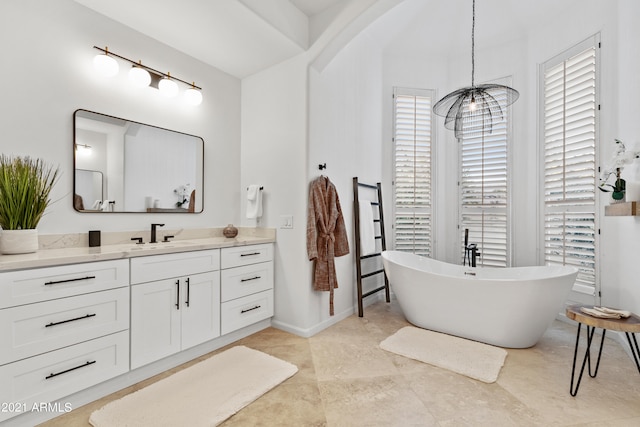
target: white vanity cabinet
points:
(246, 286)
(175, 303)
(62, 329)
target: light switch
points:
(286, 221)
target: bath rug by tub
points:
(204, 394)
(470, 358)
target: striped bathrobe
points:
(326, 235)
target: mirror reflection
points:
(126, 166)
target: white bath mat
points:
(471, 358)
(204, 394)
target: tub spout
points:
(470, 250)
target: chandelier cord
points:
(473, 45)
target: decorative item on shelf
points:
(183, 192)
(474, 108)
(230, 231)
(25, 185)
(141, 75)
(619, 159)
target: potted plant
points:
(620, 158)
(25, 185)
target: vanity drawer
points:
(242, 281)
(41, 284)
(245, 255)
(241, 312)
(156, 267)
(32, 329)
(54, 375)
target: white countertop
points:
(72, 255)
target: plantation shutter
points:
(570, 164)
(412, 166)
(484, 190)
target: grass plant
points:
(25, 184)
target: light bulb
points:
(139, 76)
(193, 96)
(472, 104)
(105, 64)
(168, 87)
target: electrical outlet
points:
(286, 221)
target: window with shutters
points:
(412, 167)
(484, 189)
(569, 132)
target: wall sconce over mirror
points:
(135, 167)
(142, 75)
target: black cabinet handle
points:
(70, 320)
(188, 289)
(252, 253)
(56, 282)
(178, 295)
(250, 309)
(250, 278)
(69, 370)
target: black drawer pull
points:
(251, 278)
(69, 370)
(249, 309)
(56, 282)
(188, 291)
(178, 295)
(70, 320)
(252, 253)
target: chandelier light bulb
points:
(192, 95)
(168, 87)
(106, 65)
(139, 76)
(472, 104)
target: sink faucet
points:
(153, 232)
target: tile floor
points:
(345, 379)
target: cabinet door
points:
(155, 321)
(200, 308)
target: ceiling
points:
(313, 7)
(242, 37)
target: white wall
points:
(621, 235)
(47, 69)
(274, 155)
(295, 117)
(345, 132)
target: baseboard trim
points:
(309, 332)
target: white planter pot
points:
(18, 241)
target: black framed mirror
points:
(125, 166)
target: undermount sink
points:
(159, 245)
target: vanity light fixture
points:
(192, 95)
(142, 75)
(168, 87)
(139, 76)
(83, 148)
(476, 105)
(105, 64)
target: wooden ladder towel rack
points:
(381, 237)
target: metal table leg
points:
(587, 357)
(634, 351)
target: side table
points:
(629, 326)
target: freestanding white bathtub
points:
(506, 307)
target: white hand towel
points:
(254, 202)
(367, 231)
